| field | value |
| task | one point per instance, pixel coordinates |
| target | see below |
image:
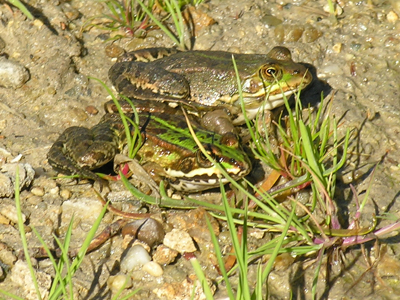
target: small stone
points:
(91, 110)
(3, 124)
(180, 241)
(54, 190)
(114, 51)
(153, 268)
(12, 74)
(65, 194)
(7, 257)
(79, 114)
(10, 212)
(70, 12)
(149, 231)
(21, 276)
(34, 200)
(38, 23)
(4, 220)
(134, 258)
(7, 177)
(164, 255)
(84, 209)
(392, 17)
(189, 286)
(256, 233)
(118, 282)
(337, 47)
(37, 191)
(6, 186)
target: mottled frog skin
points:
(208, 78)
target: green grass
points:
(21, 7)
(134, 18)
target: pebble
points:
(114, 51)
(149, 231)
(337, 47)
(79, 114)
(21, 277)
(4, 220)
(54, 190)
(134, 258)
(12, 74)
(6, 255)
(37, 191)
(91, 110)
(70, 12)
(165, 255)
(84, 209)
(6, 186)
(180, 241)
(392, 16)
(7, 175)
(10, 212)
(153, 268)
(34, 200)
(118, 282)
(65, 194)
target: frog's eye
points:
(272, 72)
(202, 160)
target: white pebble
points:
(180, 241)
(54, 190)
(153, 269)
(135, 257)
(392, 16)
(12, 74)
(37, 191)
(65, 194)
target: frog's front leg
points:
(144, 81)
(79, 150)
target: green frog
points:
(168, 152)
(207, 78)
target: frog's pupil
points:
(271, 71)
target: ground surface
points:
(357, 55)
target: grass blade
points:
(23, 235)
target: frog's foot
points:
(147, 55)
(60, 161)
(79, 150)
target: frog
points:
(206, 79)
(168, 152)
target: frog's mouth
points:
(206, 173)
(196, 185)
(202, 179)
